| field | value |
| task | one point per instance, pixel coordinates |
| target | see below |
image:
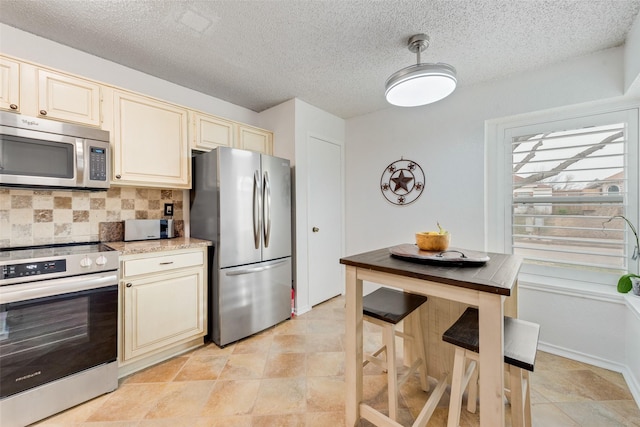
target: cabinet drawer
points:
(158, 264)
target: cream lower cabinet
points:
(163, 305)
(150, 146)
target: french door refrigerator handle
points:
(255, 269)
(266, 204)
(257, 208)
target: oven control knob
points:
(101, 260)
(86, 262)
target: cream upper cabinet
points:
(150, 146)
(68, 98)
(209, 132)
(35, 91)
(254, 139)
(9, 85)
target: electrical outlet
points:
(168, 209)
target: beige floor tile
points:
(200, 368)
(325, 394)
(576, 385)
(592, 414)
(325, 326)
(549, 415)
(281, 420)
(325, 364)
(223, 421)
(324, 342)
(161, 372)
(181, 400)
(210, 349)
(130, 402)
(289, 344)
(255, 344)
(281, 396)
(231, 398)
(280, 365)
(325, 419)
(244, 366)
(296, 326)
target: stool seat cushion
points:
(391, 305)
(520, 338)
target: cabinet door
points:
(149, 143)
(254, 139)
(68, 98)
(160, 311)
(9, 85)
(210, 132)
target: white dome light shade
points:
(420, 84)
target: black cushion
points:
(391, 305)
(520, 338)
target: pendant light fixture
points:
(422, 83)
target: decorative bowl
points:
(427, 241)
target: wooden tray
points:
(453, 257)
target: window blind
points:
(566, 187)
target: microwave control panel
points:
(98, 164)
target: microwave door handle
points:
(266, 200)
(257, 223)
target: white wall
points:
(45, 52)
(293, 122)
(448, 140)
(632, 59)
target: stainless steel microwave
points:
(42, 153)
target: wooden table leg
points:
(491, 326)
(353, 354)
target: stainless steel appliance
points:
(58, 328)
(37, 153)
(242, 203)
(148, 229)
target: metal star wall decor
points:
(402, 182)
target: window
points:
(561, 182)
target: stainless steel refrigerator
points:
(241, 201)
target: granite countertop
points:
(148, 246)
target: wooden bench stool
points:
(386, 308)
(520, 346)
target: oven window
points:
(64, 323)
(49, 338)
(33, 157)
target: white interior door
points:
(325, 220)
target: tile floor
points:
(293, 375)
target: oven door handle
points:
(47, 288)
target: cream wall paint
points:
(45, 52)
(632, 59)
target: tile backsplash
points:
(38, 217)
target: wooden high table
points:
(486, 287)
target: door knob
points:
(315, 229)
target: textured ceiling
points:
(333, 54)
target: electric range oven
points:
(58, 328)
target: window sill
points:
(573, 287)
(633, 303)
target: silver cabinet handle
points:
(315, 229)
(166, 263)
(13, 106)
(128, 285)
(43, 112)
